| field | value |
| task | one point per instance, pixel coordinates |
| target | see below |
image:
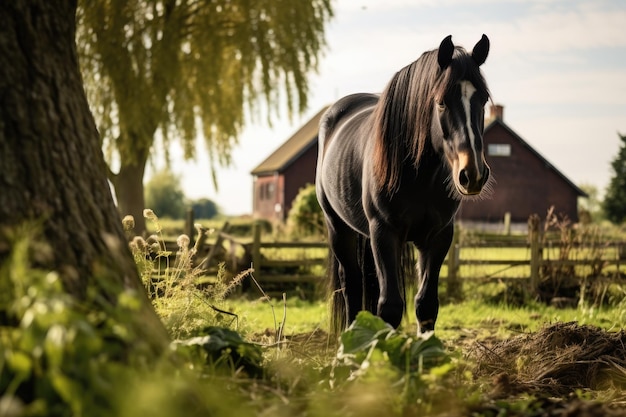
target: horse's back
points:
(343, 110)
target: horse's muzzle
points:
(470, 183)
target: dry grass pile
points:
(558, 360)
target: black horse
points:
(393, 168)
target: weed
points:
(183, 296)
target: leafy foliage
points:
(305, 216)
(369, 341)
(225, 348)
(165, 196)
(615, 199)
(58, 355)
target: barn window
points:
(266, 191)
(499, 149)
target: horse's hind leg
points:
(427, 298)
(344, 244)
(345, 274)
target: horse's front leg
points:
(427, 298)
(386, 248)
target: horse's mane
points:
(403, 115)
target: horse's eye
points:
(441, 107)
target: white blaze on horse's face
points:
(469, 169)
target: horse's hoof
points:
(426, 326)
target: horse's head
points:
(458, 118)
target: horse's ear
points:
(446, 49)
(481, 50)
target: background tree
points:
(180, 69)
(204, 208)
(165, 196)
(590, 207)
(615, 199)
(53, 170)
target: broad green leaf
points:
(19, 362)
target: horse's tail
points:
(338, 310)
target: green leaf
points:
(221, 342)
(68, 389)
(369, 339)
(19, 362)
(363, 333)
(54, 344)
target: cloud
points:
(578, 29)
(533, 26)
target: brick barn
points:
(526, 183)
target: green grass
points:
(478, 319)
(473, 319)
(262, 316)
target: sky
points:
(557, 66)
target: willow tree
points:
(164, 70)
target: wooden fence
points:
(541, 256)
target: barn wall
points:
(525, 184)
(299, 174)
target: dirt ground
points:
(572, 370)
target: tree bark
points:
(52, 168)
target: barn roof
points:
(292, 149)
(498, 120)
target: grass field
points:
(459, 320)
(502, 357)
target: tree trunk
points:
(129, 190)
(52, 168)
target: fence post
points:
(535, 252)
(256, 249)
(453, 283)
(189, 226)
(507, 223)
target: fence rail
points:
(538, 258)
(535, 257)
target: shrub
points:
(305, 217)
